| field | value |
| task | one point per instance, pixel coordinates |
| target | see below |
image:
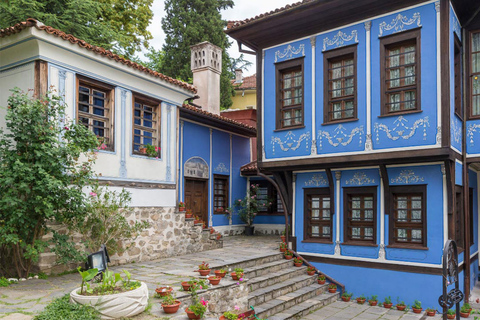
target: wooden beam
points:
(331, 186)
(41, 78)
(445, 69)
(386, 188)
(260, 141)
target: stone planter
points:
(164, 291)
(171, 308)
(113, 306)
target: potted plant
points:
(387, 302)
(198, 307)
(189, 214)
(346, 296)
(465, 310)
(142, 150)
(111, 292)
(288, 255)
(219, 236)
(170, 304)
(361, 299)
(194, 283)
(373, 301)
(220, 273)
(298, 262)
(417, 306)
(214, 280)
(283, 247)
(181, 206)
(401, 305)
(248, 207)
(321, 279)
(197, 220)
(311, 271)
(451, 314)
(237, 274)
(467, 306)
(236, 314)
(431, 312)
(204, 269)
(164, 291)
(151, 150)
(332, 288)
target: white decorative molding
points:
(407, 176)
(368, 143)
(442, 168)
(221, 167)
(456, 131)
(313, 40)
(381, 252)
(439, 135)
(471, 130)
(290, 141)
(399, 22)
(196, 167)
(359, 179)
(314, 147)
(437, 6)
(456, 27)
(339, 136)
(337, 248)
(339, 39)
(290, 52)
(400, 129)
(316, 181)
(338, 175)
(368, 25)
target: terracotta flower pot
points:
(298, 264)
(401, 308)
(387, 305)
(451, 316)
(283, 238)
(186, 286)
(361, 300)
(188, 215)
(415, 310)
(219, 236)
(164, 291)
(191, 315)
(283, 249)
(220, 274)
(321, 281)
(204, 272)
(289, 257)
(214, 281)
(372, 303)
(236, 276)
(212, 231)
(311, 273)
(346, 299)
(171, 308)
(464, 314)
(332, 290)
(431, 313)
(142, 150)
(181, 209)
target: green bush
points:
(61, 308)
(4, 282)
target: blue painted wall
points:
(456, 128)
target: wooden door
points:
(196, 198)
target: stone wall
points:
(169, 234)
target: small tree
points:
(248, 207)
(41, 176)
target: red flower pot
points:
(451, 316)
(191, 315)
(188, 215)
(401, 308)
(214, 281)
(332, 290)
(283, 249)
(220, 274)
(464, 314)
(181, 209)
(186, 286)
(387, 305)
(235, 276)
(311, 273)
(204, 272)
(372, 303)
(321, 281)
(289, 257)
(415, 310)
(346, 299)
(219, 236)
(171, 308)
(283, 238)
(361, 300)
(431, 313)
(299, 264)
(164, 291)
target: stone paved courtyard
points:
(23, 300)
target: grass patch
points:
(61, 308)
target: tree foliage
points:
(46, 161)
(118, 25)
(188, 22)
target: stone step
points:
(275, 277)
(289, 300)
(267, 268)
(248, 262)
(303, 309)
(283, 288)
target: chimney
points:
(206, 64)
(238, 76)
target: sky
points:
(243, 9)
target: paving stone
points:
(17, 316)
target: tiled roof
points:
(218, 117)
(249, 82)
(235, 24)
(98, 50)
(249, 167)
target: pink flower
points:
(204, 302)
(238, 283)
(156, 158)
(201, 287)
(66, 128)
(237, 308)
(93, 194)
(239, 200)
(241, 279)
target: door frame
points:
(205, 215)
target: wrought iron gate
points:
(450, 276)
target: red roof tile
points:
(98, 50)
(249, 167)
(235, 24)
(249, 82)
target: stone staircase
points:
(278, 290)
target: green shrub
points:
(4, 282)
(61, 308)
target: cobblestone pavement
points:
(22, 301)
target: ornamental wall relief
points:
(290, 141)
(340, 136)
(340, 39)
(222, 168)
(399, 22)
(401, 130)
(317, 180)
(406, 177)
(290, 52)
(359, 179)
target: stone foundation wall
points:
(169, 234)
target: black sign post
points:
(450, 276)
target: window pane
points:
(402, 235)
(315, 231)
(341, 83)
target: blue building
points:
(368, 118)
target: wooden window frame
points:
(469, 84)
(408, 190)
(459, 215)
(471, 215)
(109, 105)
(458, 76)
(347, 223)
(225, 196)
(398, 39)
(329, 57)
(156, 104)
(307, 194)
(280, 68)
(272, 195)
